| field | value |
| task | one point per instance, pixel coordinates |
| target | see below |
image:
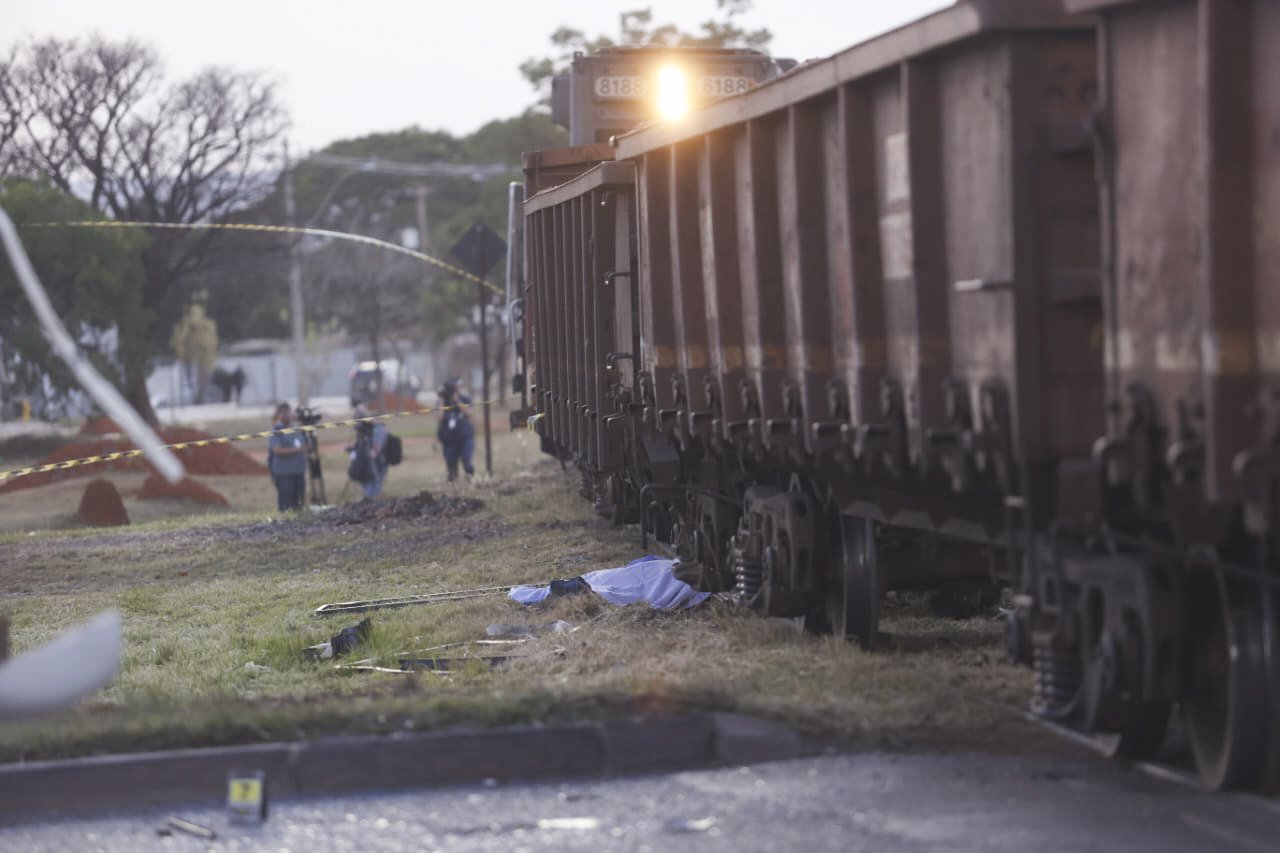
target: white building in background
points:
(270, 374)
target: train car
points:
(604, 94)
(979, 300)
(1188, 135)
(784, 270)
(542, 170)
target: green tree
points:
(638, 28)
(246, 281)
(386, 206)
(369, 292)
(195, 343)
(97, 120)
(245, 286)
(94, 280)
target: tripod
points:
(315, 470)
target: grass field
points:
(218, 607)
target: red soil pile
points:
(156, 487)
(101, 505)
(77, 448)
(392, 402)
(101, 425)
(214, 459)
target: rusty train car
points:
(990, 297)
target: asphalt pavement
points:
(878, 801)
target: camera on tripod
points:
(307, 416)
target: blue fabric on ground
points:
(530, 594)
(647, 579)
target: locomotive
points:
(980, 300)
(616, 88)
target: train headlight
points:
(673, 92)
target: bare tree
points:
(97, 120)
(9, 120)
(372, 294)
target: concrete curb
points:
(56, 789)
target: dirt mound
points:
(156, 487)
(77, 448)
(210, 460)
(392, 402)
(422, 505)
(101, 505)
(100, 425)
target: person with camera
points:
(287, 460)
(456, 435)
(368, 456)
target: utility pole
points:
(295, 285)
(483, 301)
(420, 193)
(478, 249)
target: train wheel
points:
(853, 582)
(1224, 701)
(620, 499)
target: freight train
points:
(989, 298)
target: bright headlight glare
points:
(673, 92)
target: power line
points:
(373, 165)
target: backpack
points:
(361, 467)
(393, 450)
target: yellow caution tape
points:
(208, 442)
(271, 229)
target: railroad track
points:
(1177, 773)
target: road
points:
(874, 802)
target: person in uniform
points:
(368, 457)
(456, 435)
(287, 461)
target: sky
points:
(348, 69)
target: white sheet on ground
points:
(648, 579)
